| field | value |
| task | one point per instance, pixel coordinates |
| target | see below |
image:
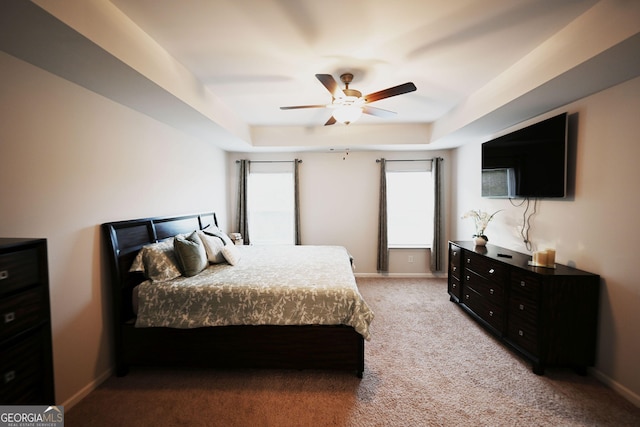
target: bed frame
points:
(286, 347)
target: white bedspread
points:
(271, 285)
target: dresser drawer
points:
(523, 334)
(485, 267)
(526, 284)
(492, 291)
(21, 372)
(18, 270)
(523, 308)
(487, 311)
(455, 261)
(22, 311)
(454, 287)
(455, 271)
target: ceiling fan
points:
(349, 104)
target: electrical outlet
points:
(410, 258)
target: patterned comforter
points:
(270, 285)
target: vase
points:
(480, 240)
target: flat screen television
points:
(530, 162)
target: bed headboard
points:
(125, 238)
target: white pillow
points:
(231, 253)
(223, 236)
(213, 246)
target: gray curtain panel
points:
(243, 220)
(296, 196)
(437, 245)
(383, 247)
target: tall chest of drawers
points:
(26, 362)
(548, 315)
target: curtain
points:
(383, 249)
(243, 220)
(437, 245)
(296, 201)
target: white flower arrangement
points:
(481, 219)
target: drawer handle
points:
(453, 286)
(454, 268)
(492, 271)
(467, 296)
(490, 313)
(468, 278)
(522, 283)
(468, 260)
(9, 376)
(521, 332)
(9, 317)
(522, 307)
(491, 291)
(4, 274)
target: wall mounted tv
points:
(530, 162)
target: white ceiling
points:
(220, 69)
(258, 55)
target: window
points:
(270, 204)
(409, 207)
(499, 182)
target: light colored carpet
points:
(427, 364)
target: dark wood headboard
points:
(125, 238)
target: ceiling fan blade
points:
(295, 107)
(330, 83)
(331, 121)
(392, 91)
(378, 112)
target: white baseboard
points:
(84, 392)
(616, 386)
(403, 275)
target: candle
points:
(551, 257)
(540, 258)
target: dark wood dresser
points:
(26, 362)
(548, 315)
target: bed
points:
(230, 331)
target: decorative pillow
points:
(231, 253)
(213, 246)
(190, 253)
(226, 239)
(157, 261)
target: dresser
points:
(547, 315)
(26, 362)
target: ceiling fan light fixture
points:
(349, 104)
(347, 114)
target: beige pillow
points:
(157, 261)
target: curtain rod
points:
(273, 161)
(410, 160)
